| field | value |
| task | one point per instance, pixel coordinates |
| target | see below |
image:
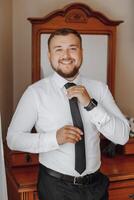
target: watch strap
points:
(92, 104)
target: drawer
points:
(122, 194)
(129, 147)
(17, 158)
(122, 189)
(21, 159)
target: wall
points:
(6, 87)
(3, 184)
(116, 10)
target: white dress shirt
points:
(45, 105)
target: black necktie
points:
(80, 158)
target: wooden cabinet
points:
(22, 180)
(122, 191)
(121, 173)
(129, 147)
(17, 158)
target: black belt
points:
(81, 180)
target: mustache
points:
(66, 59)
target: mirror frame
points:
(86, 21)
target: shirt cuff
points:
(48, 142)
(98, 116)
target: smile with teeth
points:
(66, 62)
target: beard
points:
(71, 74)
(67, 75)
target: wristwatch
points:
(92, 104)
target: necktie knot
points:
(69, 84)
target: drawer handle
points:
(131, 196)
(28, 158)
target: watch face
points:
(93, 103)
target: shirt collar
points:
(60, 81)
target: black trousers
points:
(51, 188)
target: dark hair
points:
(64, 31)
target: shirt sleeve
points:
(19, 136)
(109, 120)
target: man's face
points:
(65, 55)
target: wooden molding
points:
(80, 15)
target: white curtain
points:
(3, 186)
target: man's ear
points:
(48, 54)
(82, 52)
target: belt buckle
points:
(75, 181)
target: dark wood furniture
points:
(129, 147)
(120, 169)
(22, 168)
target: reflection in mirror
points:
(94, 57)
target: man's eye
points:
(58, 50)
(74, 49)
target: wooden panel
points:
(22, 159)
(119, 168)
(122, 194)
(122, 189)
(14, 158)
(13, 193)
(27, 196)
(35, 196)
(129, 147)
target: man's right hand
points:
(68, 134)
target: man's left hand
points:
(80, 93)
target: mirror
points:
(94, 54)
(99, 41)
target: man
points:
(47, 106)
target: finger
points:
(78, 88)
(73, 137)
(71, 141)
(72, 133)
(76, 91)
(73, 128)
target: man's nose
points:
(66, 54)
